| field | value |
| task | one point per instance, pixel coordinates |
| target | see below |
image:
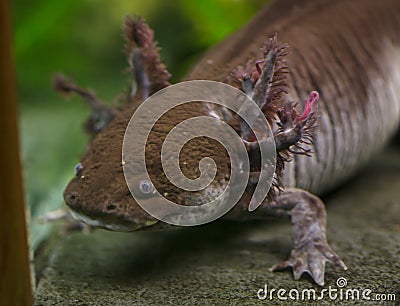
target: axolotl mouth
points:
(115, 212)
(105, 222)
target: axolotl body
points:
(347, 51)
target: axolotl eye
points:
(146, 187)
(78, 169)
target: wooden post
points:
(15, 287)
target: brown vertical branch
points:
(15, 288)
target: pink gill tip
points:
(311, 100)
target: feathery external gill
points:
(150, 73)
(266, 82)
(101, 115)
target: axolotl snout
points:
(98, 194)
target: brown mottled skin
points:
(346, 50)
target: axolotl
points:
(331, 96)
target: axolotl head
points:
(98, 194)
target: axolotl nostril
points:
(322, 95)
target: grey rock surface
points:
(228, 262)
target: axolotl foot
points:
(311, 258)
(308, 216)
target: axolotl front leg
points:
(308, 216)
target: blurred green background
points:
(83, 40)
